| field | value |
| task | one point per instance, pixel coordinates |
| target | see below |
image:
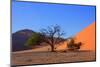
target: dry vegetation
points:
(28, 58)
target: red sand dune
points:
(87, 37)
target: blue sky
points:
(34, 16)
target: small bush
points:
(33, 40)
(72, 46)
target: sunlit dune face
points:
(87, 37)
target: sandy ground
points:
(29, 57)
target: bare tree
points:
(52, 35)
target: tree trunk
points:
(52, 48)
